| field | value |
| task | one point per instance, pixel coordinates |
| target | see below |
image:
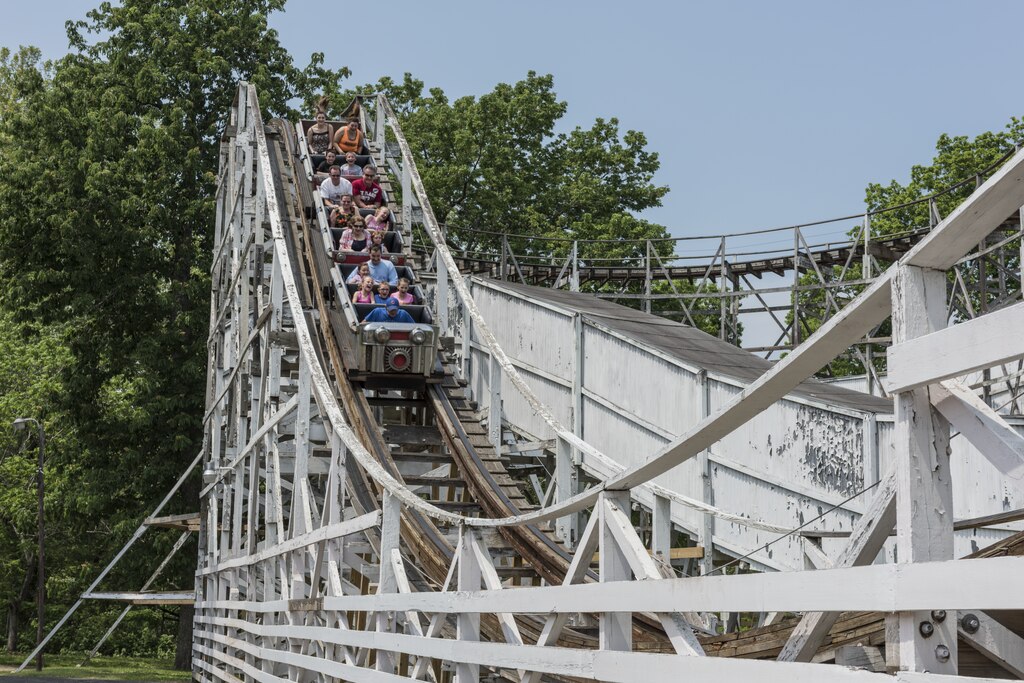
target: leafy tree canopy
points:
(108, 163)
(495, 163)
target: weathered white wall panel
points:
(640, 382)
(788, 464)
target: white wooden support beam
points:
(814, 556)
(565, 488)
(661, 528)
(616, 520)
(390, 528)
(491, 581)
(467, 623)
(977, 344)
(437, 622)
(924, 490)
(441, 297)
(494, 405)
(981, 425)
(993, 640)
(616, 630)
(554, 624)
(707, 521)
(867, 539)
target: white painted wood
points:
(924, 488)
(985, 428)
(879, 588)
(814, 555)
(976, 344)
(679, 632)
(391, 522)
(863, 546)
(331, 531)
(661, 528)
(467, 623)
(997, 643)
(565, 487)
(593, 664)
(616, 628)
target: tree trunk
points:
(14, 607)
(183, 645)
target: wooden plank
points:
(188, 521)
(878, 588)
(139, 598)
(869, 534)
(994, 641)
(955, 351)
(983, 427)
(924, 487)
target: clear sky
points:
(763, 113)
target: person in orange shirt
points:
(349, 138)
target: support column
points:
(616, 632)
(494, 405)
(468, 623)
(924, 492)
(707, 525)
(389, 535)
(661, 528)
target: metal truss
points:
(304, 567)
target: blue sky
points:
(763, 113)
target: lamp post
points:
(19, 425)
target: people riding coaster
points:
(390, 313)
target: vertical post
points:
(503, 268)
(406, 202)
(616, 630)
(872, 467)
(647, 276)
(468, 623)
(41, 569)
(574, 277)
(707, 526)
(722, 292)
(565, 487)
(494, 406)
(794, 336)
(661, 528)
(866, 274)
(378, 132)
(467, 341)
(390, 526)
(924, 492)
(441, 296)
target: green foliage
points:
(495, 163)
(107, 176)
(957, 159)
(959, 163)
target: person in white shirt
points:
(333, 189)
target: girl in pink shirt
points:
(364, 295)
(402, 295)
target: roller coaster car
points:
(405, 349)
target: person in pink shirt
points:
(364, 295)
(402, 294)
(380, 220)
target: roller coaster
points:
(545, 484)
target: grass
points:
(109, 668)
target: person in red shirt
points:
(366, 191)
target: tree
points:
(955, 171)
(108, 167)
(495, 163)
